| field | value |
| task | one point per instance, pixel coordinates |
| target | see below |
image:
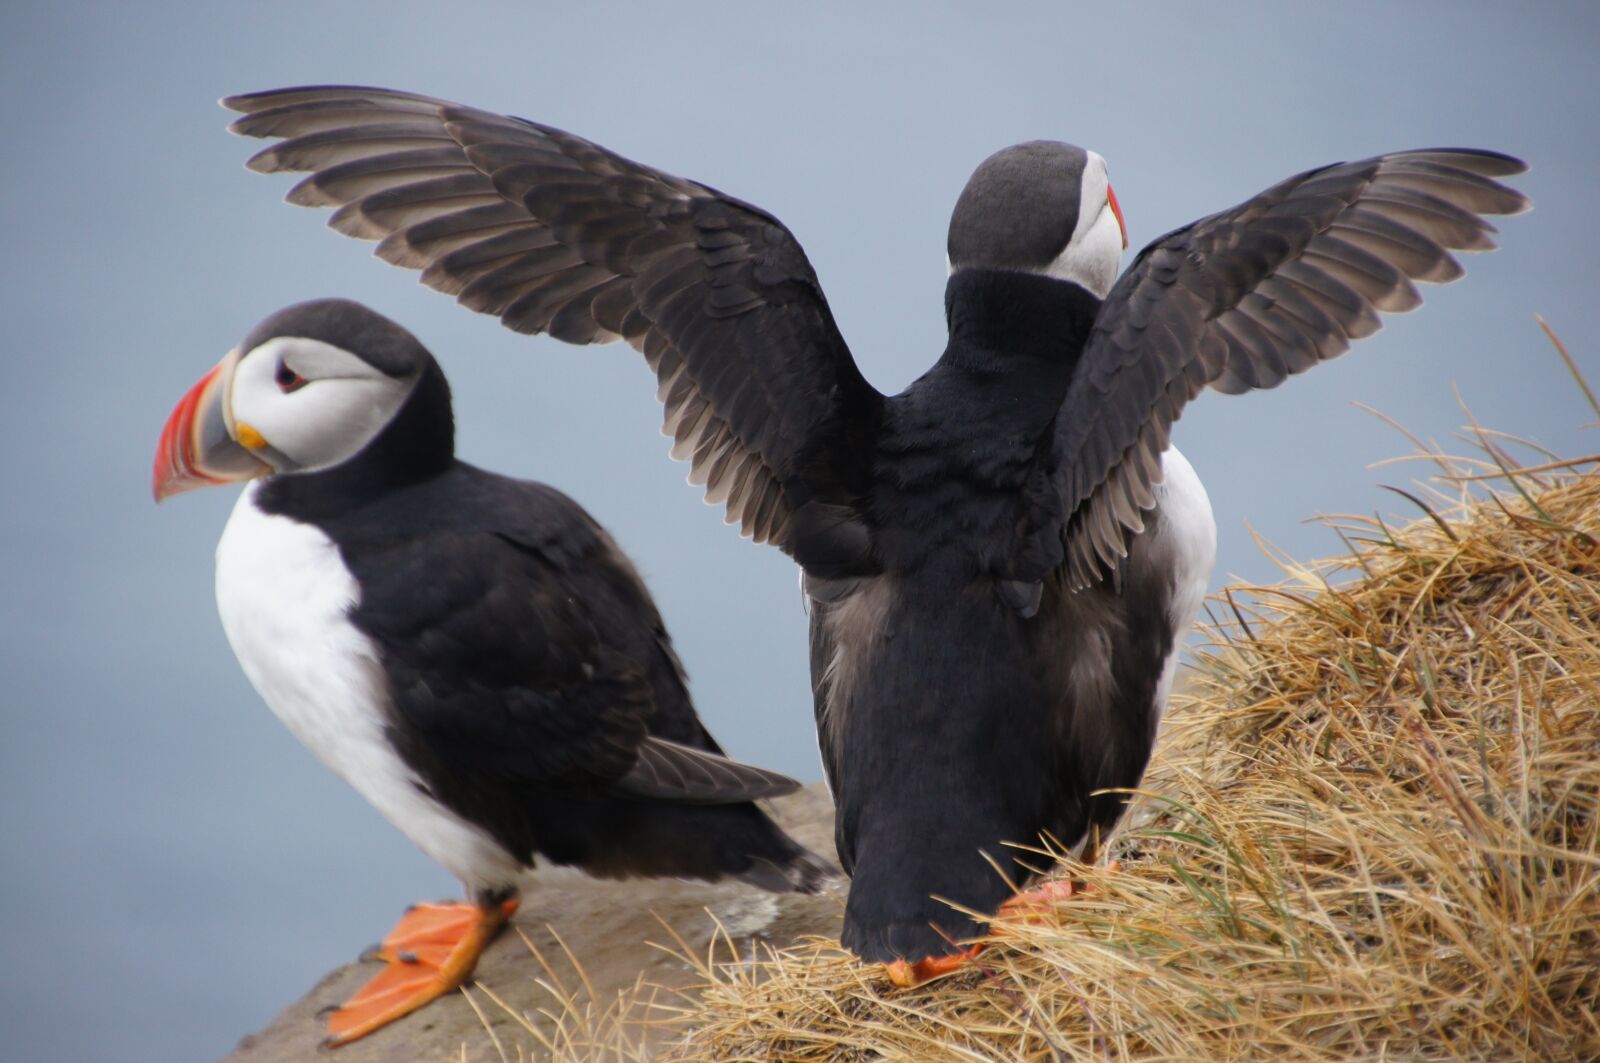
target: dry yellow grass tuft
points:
(1372, 831)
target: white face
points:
(1094, 253)
(314, 404)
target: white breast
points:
(1186, 539)
(284, 596)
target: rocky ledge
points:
(611, 927)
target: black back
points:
(932, 732)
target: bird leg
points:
(430, 951)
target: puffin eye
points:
(287, 379)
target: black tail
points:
(803, 871)
(634, 838)
(898, 909)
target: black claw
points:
(370, 953)
(323, 1013)
(406, 956)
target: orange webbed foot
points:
(430, 951)
(1031, 906)
(905, 974)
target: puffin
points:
(473, 653)
(1002, 560)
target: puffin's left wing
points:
(1244, 298)
(552, 233)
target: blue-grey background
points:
(176, 869)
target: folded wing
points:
(542, 666)
(674, 772)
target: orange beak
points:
(1116, 208)
(196, 448)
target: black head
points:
(348, 325)
(317, 388)
(1040, 207)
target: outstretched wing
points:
(551, 233)
(1244, 298)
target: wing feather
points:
(670, 771)
(552, 233)
(1246, 298)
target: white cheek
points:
(1092, 258)
(330, 420)
(1094, 253)
(324, 422)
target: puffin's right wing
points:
(1241, 300)
(552, 233)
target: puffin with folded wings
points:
(472, 653)
(1001, 560)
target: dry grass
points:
(1371, 832)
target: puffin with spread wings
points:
(1001, 560)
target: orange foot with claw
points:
(1027, 907)
(1030, 905)
(431, 951)
(904, 974)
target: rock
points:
(608, 926)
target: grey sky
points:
(176, 867)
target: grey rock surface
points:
(610, 927)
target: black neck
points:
(417, 444)
(999, 312)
